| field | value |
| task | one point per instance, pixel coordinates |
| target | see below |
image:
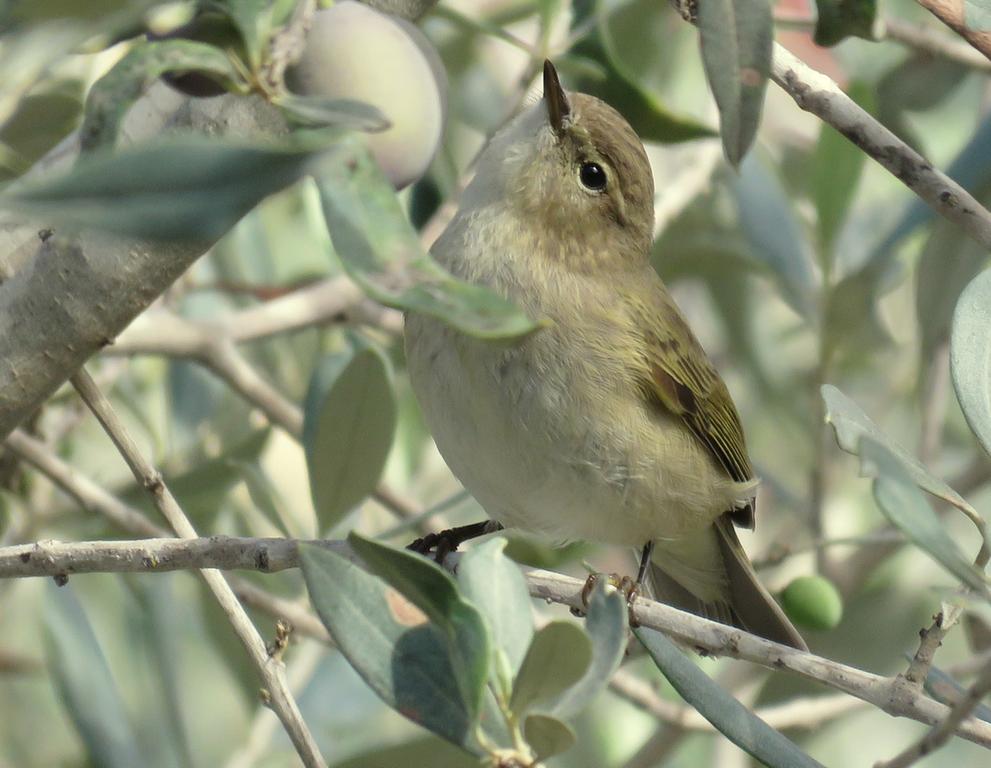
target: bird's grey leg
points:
(648, 550)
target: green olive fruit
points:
(354, 52)
(812, 602)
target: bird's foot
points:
(628, 586)
(445, 542)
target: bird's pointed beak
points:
(558, 106)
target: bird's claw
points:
(628, 586)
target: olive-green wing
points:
(683, 381)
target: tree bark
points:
(64, 298)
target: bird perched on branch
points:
(609, 423)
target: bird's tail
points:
(710, 575)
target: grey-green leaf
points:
(256, 20)
(382, 253)
(839, 19)
(263, 493)
(606, 624)
(162, 636)
(851, 425)
(727, 715)
(426, 750)
(112, 95)
(188, 188)
(898, 497)
(736, 39)
(970, 356)
(777, 241)
(836, 169)
(940, 281)
(403, 658)
(348, 423)
(432, 589)
(495, 585)
(547, 736)
(557, 659)
(85, 684)
(321, 111)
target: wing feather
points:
(683, 381)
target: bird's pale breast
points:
(552, 433)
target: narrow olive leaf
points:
(736, 38)
(836, 169)
(606, 624)
(85, 684)
(434, 591)
(851, 425)
(558, 657)
(495, 585)
(970, 356)
(112, 96)
(187, 188)
(777, 241)
(839, 19)
(940, 281)
(853, 320)
(425, 750)
(30, 51)
(897, 495)
(389, 642)
(349, 419)
(727, 715)
(320, 111)
(256, 21)
(382, 253)
(547, 736)
(947, 690)
(161, 634)
(263, 494)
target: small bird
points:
(608, 423)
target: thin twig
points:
(816, 93)
(805, 712)
(891, 695)
(930, 639)
(156, 555)
(263, 727)
(213, 344)
(929, 40)
(919, 37)
(779, 552)
(943, 730)
(95, 499)
(326, 301)
(270, 669)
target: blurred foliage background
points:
(808, 265)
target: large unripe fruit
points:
(355, 52)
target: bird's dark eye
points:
(592, 176)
